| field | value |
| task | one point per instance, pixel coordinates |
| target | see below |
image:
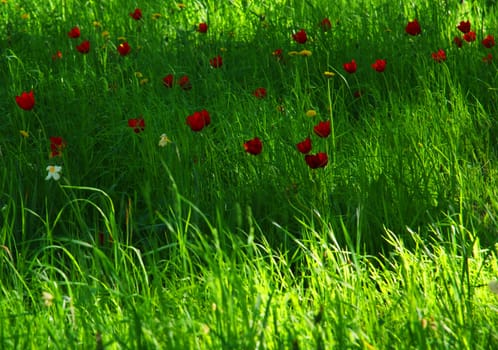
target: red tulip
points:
(439, 56)
(488, 58)
(184, 83)
(216, 62)
(413, 28)
(57, 55)
(202, 28)
(198, 120)
(350, 67)
(278, 53)
(74, 33)
(57, 144)
(206, 116)
(464, 27)
(318, 160)
(168, 80)
(322, 129)
(488, 41)
(136, 15)
(254, 146)
(470, 36)
(325, 24)
(26, 101)
(304, 146)
(458, 42)
(300, 36)
(260, 92)
(84, 47)
(124, 48)
(379, 65)
(138, 124)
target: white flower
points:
(164, 140)
(53, 172)
(48, 299)
(493, 286)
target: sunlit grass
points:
(165, 234)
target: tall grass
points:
(200, 245)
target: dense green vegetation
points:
(139, 210)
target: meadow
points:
(239, 174)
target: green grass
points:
(201, 245)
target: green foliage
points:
(199, 244)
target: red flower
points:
(379, 65)
(254, 146)
(206, 116)
(278, 53)
(413, 28)
(184, 83)
(458, 42)
(260, 92)
(198, 120)
(464, 27)
(300, 37)
(325, 24)
(84, 47)
(136, 15)
(202, 28)
(318, 160)
(57, 55)
(138, 124)
(488, 41)
(74, 33)
(470, 36)
(350, 67)
(216, 62)
(168, 80)
(439, 56)
(57, 144)
(124, 48)
(304, 146)
(26, 101)
(488, 58)
(322, 129)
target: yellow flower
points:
(144, 81)
(311, 113)
(24, 133)
(181, 6)
(96, 24)
(138, 75)
(156, 15)
(164, 140)
(105, 34)
(305, 53)
(25, 16)
(293, 53)
(328, 74)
